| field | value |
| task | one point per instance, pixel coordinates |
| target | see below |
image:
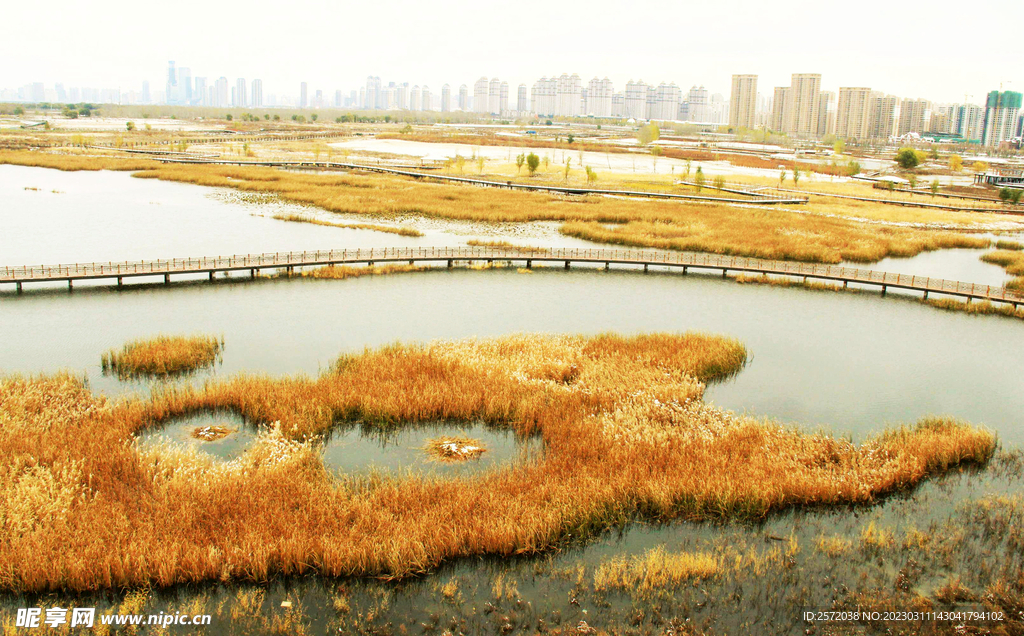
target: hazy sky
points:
(938, 50)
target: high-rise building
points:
(220, 92)
(915, 115)
(446, 98)
(426, 98)
(826, 113)
(146, 98)
(780, 109)
(568, 95)
(240, 93)
(481, 91)
(172, 84)
(234, 95)
(463, 98)
(801, 111)
(666, 102)
(599, 97)
(967, 120)
(402, 96)
(522, 104)
(743, 101)
(339, 101)
(200, 93)
(374, 98)
(852, 112)
(695, 106)
(503, 97)
(543, 99)
(884, 117)
(257, 94)
(634, 102)
(415, 103)
(303, 95)
(1001, 110)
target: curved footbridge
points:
(449, 256)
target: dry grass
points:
(981, 308)
(656, 568)
(505, 245)
(341, 272)
(401, 231)
(628, 436)
(823, 232)
(211, 433)
(1012, 261)
(163, 355)
(454, 449)
(1009, 245)
(74, 162)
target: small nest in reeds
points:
(163, 356)
(454, 449)
(211, 433)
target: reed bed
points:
(625, 429)
(390, 229)
(454, 448)
(74, 162)
(822, 232)
(1012, 260)
(1009, 245)
(341, 272)
(654, 569)
(163, 355)
(505, 245)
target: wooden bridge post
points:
(645, 268)
(167, 279)
(252, 272)
(724, 272)
(449, 263)
(529, 263)
(18, 285)
(926, 294)
(686, 268)
(845, 284)
(70, 285)
(566, 264)
(119, 281)
(211, 274)
(606, 266)
(884, 289)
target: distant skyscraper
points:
(801, 113)
(303, 95)
(1001, 110)
(915, 115)
(318, 101)
(966, 120)
(146, 99)
(666, 102)
(172, 84)
(241, 94)
(569, 95)
(697, 104)
(426, 98)
(743, 101)
(200, 94)
(521, 99)
(826, 113)
(338, 101)
(481, 93)
(780, 109)
(415, 101)
(220, 91)
(634, 105)
(599, 97)
(543, 98)
(463, 97)
(374, 99)
(61, 94)
(852, 112)
(446, 98)
(494, 96)
(257, 94)
(883, 116)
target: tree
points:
(935, 153)
(1016, 195)
(130, 126)
(698, 179)
(568, 163)
(480, 164)
(686, 175)
(655, 153)
(912, 180)
(18, 110)
(1005, 194)
(782, 177)
(907, 158)
(854, 168)
(571, 139)
(460, 162)
(532, 162)
(796, 176)
(277, 118)
(591, 175)
(839, 147)
(520, 160)
(314, 116)
(647, 134)
(719, 183)
(228, 117)
(979, 166)
(935, 187)
(956, 163)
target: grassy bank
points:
(401, 231)
(163, 355)
(625, 430)
(1011, 259)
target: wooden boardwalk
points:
(449, 256)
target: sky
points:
(936, 50)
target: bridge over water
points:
(450, 256)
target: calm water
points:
(849, 363)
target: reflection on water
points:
(358, 448)
(181, 431)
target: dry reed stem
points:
(625, 430)
(163, 355)
(341, 272)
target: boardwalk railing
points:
(645, 258)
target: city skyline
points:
(537, 40)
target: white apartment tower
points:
(480, 95)
(666, 102)
(257, 93)
(826, 113)
(446, 98)
(915, 115)
(884, 116)
(634, 103)
(463, 97)
(697, 104)
(568, 91)
(544, 96)
(780, 109)
(522, 104)
(743, 101)
(599, 97)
